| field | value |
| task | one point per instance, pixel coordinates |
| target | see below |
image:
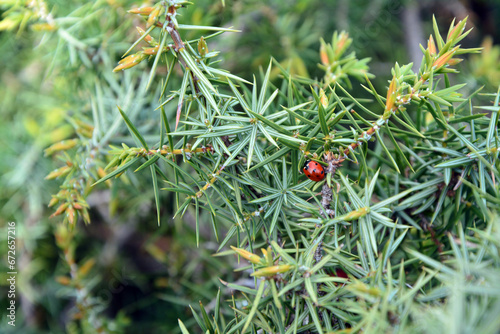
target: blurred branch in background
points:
(414, 33)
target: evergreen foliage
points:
(401, 236)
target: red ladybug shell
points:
(314, 171)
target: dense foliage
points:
(401, 235)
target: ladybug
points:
(314, 171)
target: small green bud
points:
(202, 47)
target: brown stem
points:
(179, 44)
(334, 162)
